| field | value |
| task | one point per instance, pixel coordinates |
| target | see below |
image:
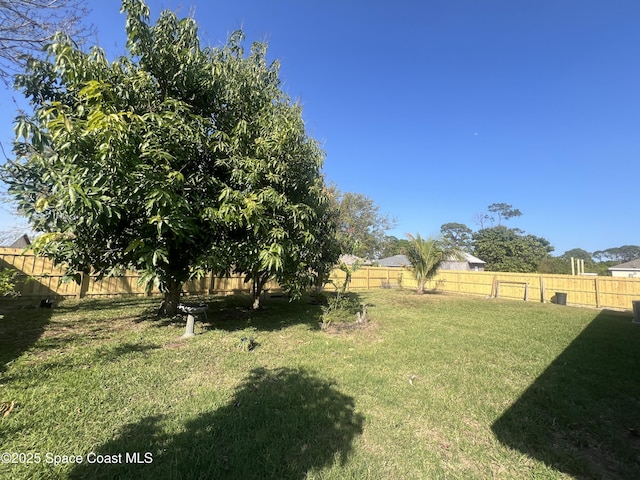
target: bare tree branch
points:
(27, 25)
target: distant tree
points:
(173, 160)
(577, 253)
(482, 220)
(457, 235)
(26, 26)
(554, 265)
(361, 226)
(503, 211)
(510, 250)
(394, 246)
(602, 268)
(500, 211)
(426, 257)
(622, 254)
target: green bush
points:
(7, 282)
(341, 308)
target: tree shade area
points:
(173, 159)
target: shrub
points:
(7, 282)
(341, 308)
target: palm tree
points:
(426, 256)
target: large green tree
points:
(510, 249)
(173, 159)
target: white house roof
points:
(632, 265)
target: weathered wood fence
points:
(40, 278)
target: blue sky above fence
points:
(437, 109)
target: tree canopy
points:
(622, 254)
(499, 212)
(173, 159)
(510, 250)
(457, 235)
(577, 253)
(393, 246)
(503, 211)
(361, 226)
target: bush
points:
(341, 308)
(7, 282)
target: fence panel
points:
(38, 277)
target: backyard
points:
(433, 386)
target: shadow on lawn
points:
(21, 326)
(234, 313)
(582, 415)
(280, 424)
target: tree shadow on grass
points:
(280, 424)
(21, 326)
(582, 415)
(234, 313)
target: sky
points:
(437, 109)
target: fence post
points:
(597, 287)
(542, 291)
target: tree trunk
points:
(420, 289)
(256, 302)
(172, 298)
(256, 289)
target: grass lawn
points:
(434, 386)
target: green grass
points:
(434, 386)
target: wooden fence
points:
(40, 278)
(588, 291)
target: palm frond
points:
(426, 256)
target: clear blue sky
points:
(436, 109)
